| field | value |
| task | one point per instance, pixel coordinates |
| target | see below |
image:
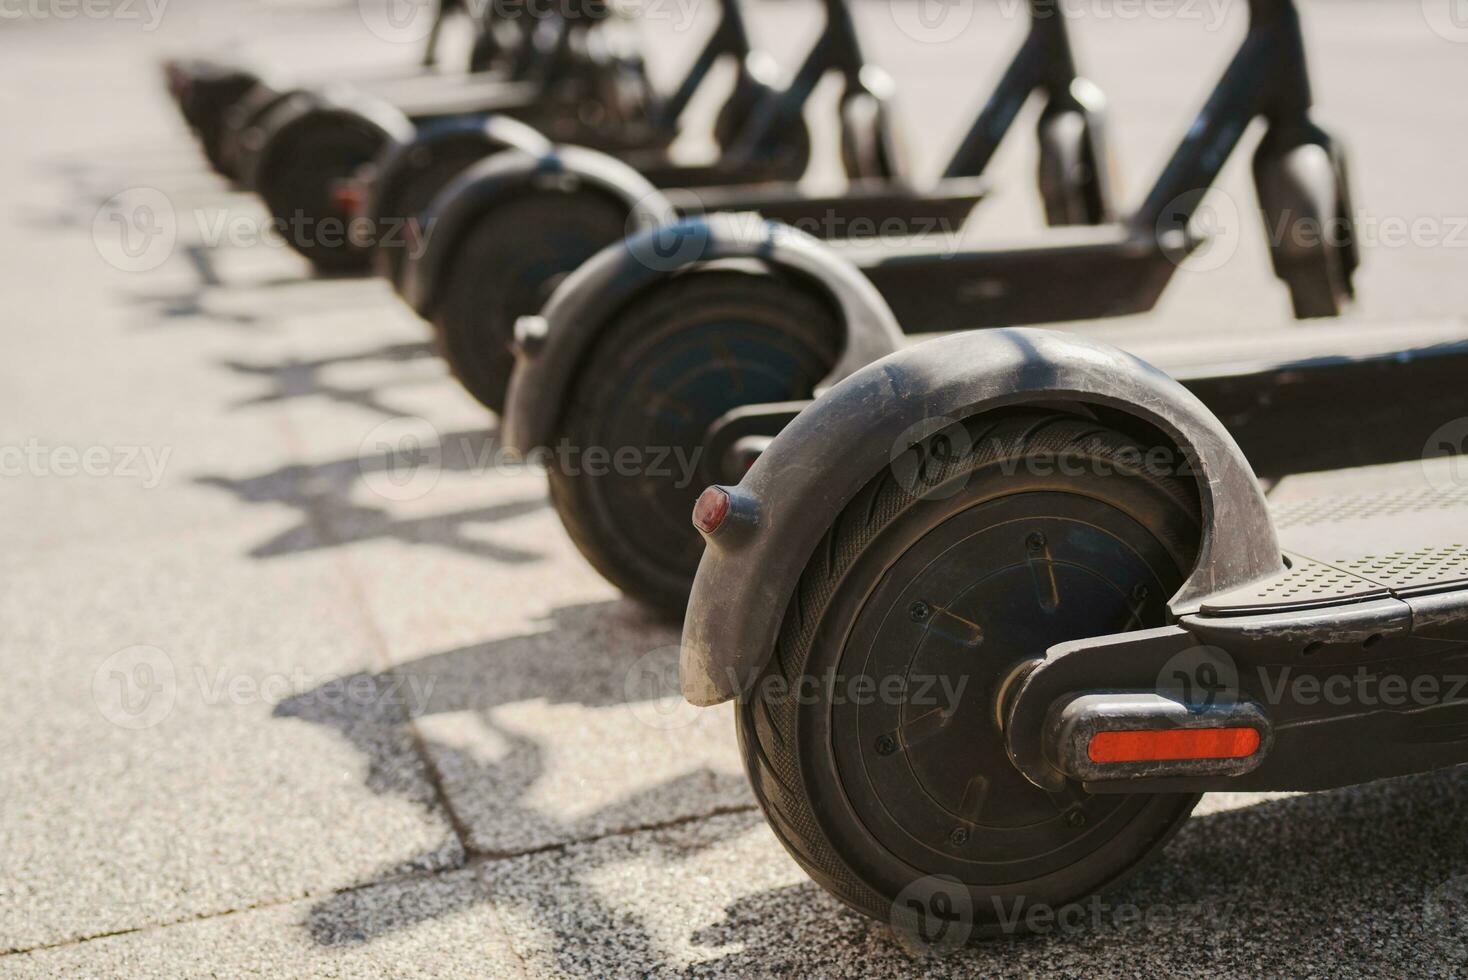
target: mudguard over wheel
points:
(677, 358)
(784, 152)
(505, 267)
(407, 177)
(874, 741)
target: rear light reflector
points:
(710, 510)
(1173, 744)
(349, 197)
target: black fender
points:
(483, 185)
(307, 109)
(552, 345)
(410, 173)
(820, 461)
(1301, 180)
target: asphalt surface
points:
(272, 707)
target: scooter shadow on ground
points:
(1299, 875)
(569, 663)
(304, 378)
(1323, 882)
(329, 517)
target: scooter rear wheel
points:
(873, 740)
(785, 156)
(309, 158)
(675, 360)
(506, 267)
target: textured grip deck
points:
(1362, 546)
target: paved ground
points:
(268, 709)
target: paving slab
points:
(441, 926)
(1250, 891)
(151, 772)
(368, 686)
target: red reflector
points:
(1175, 743)
(710, 510)
(349, 197)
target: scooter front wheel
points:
(629, 450)
(506, 267)
(874, 739)
(309, 158)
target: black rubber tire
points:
(243, 135)
(789, 160)
(505, 267)
(794, 752)
(307, 159)
(672, 362)
(406, 183)
(211, 108)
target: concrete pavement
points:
(274, 708)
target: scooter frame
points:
(1043, 64)
(1110, 270)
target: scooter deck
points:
(1389, 544)
(1297, 398)
(1106, 270)
(1350, 664)
(469, 94)
(867, 208)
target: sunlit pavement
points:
(273, 706)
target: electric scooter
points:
(400, 185)
(506, 231)
(997, 608)
(206, 89)
(702, 353)
(298, 149)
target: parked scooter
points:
(207, 89)
(1060, 568)
(506, 231)
(703, 353)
